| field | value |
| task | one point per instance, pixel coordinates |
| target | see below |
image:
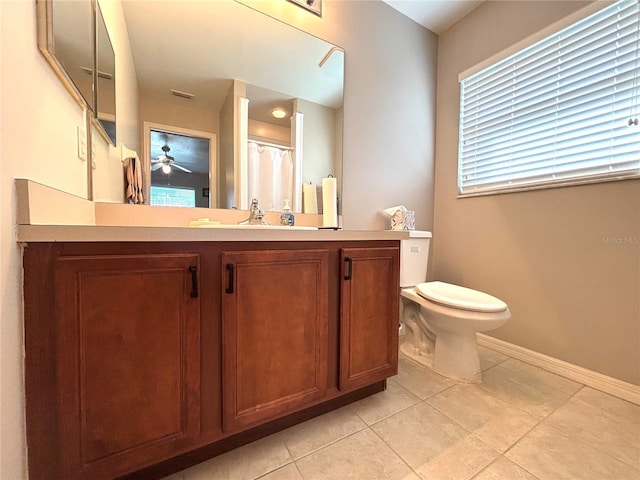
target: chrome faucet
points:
(256, 214)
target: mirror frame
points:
(44, 15)
(98, 19)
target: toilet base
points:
(448, 359)
(456, 357)
(409, 352)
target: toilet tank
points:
(414, 258)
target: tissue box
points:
(403, 220)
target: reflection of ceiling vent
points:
(180, 94)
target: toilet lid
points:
(460, 297)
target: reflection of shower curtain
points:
(270, 176)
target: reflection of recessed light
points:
(279, 112)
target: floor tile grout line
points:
(565, 402)
(395, 452)
(391, 414)
(298, 470)
(423, 400)
(589, 444)
(495, 364)
(571, 395)
(311, 452)
(331, 443)
(507, 459)
(473, 432)
(262, 475)
(533, 427)
(545, 421)
(432, 394)
(513, 406)
(608, 411)
(548, 372)
(522, 467)
(485, 467)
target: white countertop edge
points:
(93, 233)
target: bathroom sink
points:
(255, 227)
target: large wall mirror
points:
(194, 60)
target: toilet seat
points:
(459, 297)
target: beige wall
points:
(176, 112)
(553, 255)
(268, 132)
(319, 144)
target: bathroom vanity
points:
(146, 354)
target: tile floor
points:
(521, 423)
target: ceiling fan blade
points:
(181, 168)
(155, 167)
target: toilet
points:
(440, 320)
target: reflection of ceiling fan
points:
(166, 161)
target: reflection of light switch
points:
(82, 144)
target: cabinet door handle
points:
(230, 286)
(349, 262)
(194, 281)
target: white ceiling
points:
(436, 15)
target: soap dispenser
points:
(287, 217)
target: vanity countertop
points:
(97, 233)
(48, 215)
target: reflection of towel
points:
(134, 180)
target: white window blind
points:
(558, 111)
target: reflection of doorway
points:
(189, 156)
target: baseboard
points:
(618, 388)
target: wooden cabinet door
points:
(369, 315)
(128, 360)
(274, 333)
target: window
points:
(561, 111)
(173, 196)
